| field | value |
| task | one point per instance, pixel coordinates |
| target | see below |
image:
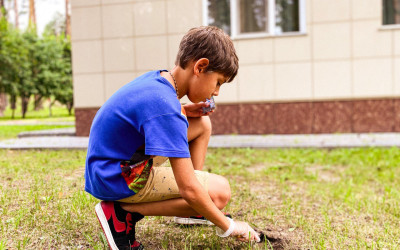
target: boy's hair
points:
(212, 43)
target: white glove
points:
(241, 230)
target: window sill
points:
(390, 27)
(266, 35)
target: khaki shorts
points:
(161, 185)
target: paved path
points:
(46, 142)
(48, 132)
(252, 141)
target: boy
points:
(144, 121)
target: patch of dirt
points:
(273, 239)
(324, 174)
(264, 166)
(279, 234)
(256, 168)
(77, 173)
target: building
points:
(306, 66)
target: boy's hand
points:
(244, 232)
(195, 109)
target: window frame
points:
(235, 21)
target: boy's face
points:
(206, 85)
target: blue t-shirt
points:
(144, 111)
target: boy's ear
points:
(201, 65)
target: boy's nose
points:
(216, 91)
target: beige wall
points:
(113, 41)
(345, 54)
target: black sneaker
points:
(118, 225)
(195, 220)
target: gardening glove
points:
(241, 230)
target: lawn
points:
(301, 199)
(12, 131)
(35, 120)
(59, 112)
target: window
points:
(391, 12)
(219, 14)
(254, 18)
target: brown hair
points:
(212, 43)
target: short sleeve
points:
(166, 135)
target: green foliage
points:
(56, 26)
(64, 93)
(32, 65)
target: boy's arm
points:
(196, 109)
(194, 193)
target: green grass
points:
(302, 199)
(59, 113)
(12, 131)
(35, 120)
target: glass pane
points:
(253, 16)
(219, 14)
(287, 16)
(391, 12)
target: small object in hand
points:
(210, 107)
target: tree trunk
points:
(16, 14)
(32, 14)
(50, 106)
(38, 104)
(2, 8)
(69, 107)
(67, 19)
(24, 105)
(13, 102)
(3, 103)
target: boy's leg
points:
(118, 219)
(218, 189)
(199, 133)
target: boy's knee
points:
(206, 125)
(199, 127)
(219, 190)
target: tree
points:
(30, 65)
(16, 14)
(2, 8)
(26, 84)
(15, 67)
(3, 30)
(64, 94)
(67, 20)
(32, 14)
(56, 26)
(51, 67)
